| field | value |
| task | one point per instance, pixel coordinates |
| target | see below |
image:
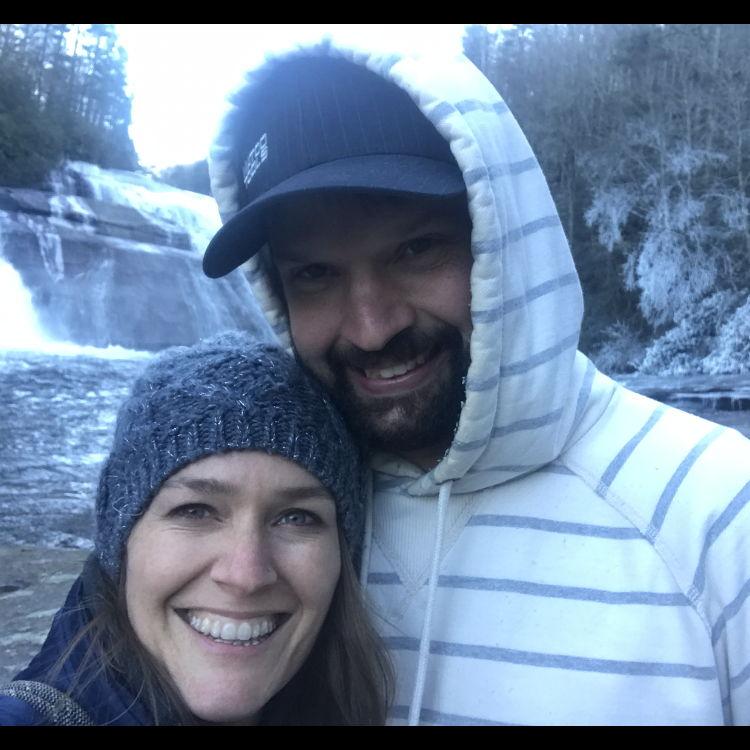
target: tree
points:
(62, 96)
(642, 132)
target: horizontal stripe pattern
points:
(740, 679)
(583, 395)
(552, 591)
(464, 107)
(514, 235)
(555, 661)
(729, 612)
(522, 424)
(490, 316)
(494, 171)
(564, 592)
(626, 451)
(676, 480)
(473, 105)
(556, 527)
(524, 366)
(532, 227)
(719, 525)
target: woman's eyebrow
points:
(214, 486)
(202, 485)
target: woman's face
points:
(230, 573)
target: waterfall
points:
(172, 209)
(20, 328)
(107, 258)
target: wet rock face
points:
(33, 585)
(116, 260)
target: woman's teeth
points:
(246, 632)
(400, 369)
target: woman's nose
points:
(245, 562)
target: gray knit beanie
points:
(228, 393)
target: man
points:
(545, 546)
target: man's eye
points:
(417, 246)
(298, 517)
(313, 272)
(193, 512)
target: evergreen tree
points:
(62, 96)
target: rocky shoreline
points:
(33, 584)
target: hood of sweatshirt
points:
(527, 387)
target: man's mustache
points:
(404, 346)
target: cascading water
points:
(176, 211)
(22, 329)
(113, 259)
(95, 276)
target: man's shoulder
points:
(649, 459)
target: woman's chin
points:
(223, 712)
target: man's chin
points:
(401, 424)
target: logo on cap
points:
(258, 154)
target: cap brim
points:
(244, 234)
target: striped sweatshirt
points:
(580, 555)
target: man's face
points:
(378, 297)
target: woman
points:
(221, 589)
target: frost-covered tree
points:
(643, 131)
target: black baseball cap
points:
(324, 123)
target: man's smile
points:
(399, 378)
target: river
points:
(59, 409)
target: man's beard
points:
(423, 419)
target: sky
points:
(180, 74)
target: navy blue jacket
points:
(106, 700)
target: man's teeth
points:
(227, 629)
(396, 370)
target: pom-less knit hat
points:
(229, 393)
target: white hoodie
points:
(581, 555)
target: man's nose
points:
(245, 562)
(375, 311)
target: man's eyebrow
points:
(290, 254)
(428, 218)
(202, 485)
(424, 220)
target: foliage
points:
(622, 350)
(193, 177)
(62, 96)
(683, 348)
(643, 132)
(732, 351)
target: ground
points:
(33, 585)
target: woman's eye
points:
(298, 518)
(193, 512)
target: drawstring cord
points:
(424, 645)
